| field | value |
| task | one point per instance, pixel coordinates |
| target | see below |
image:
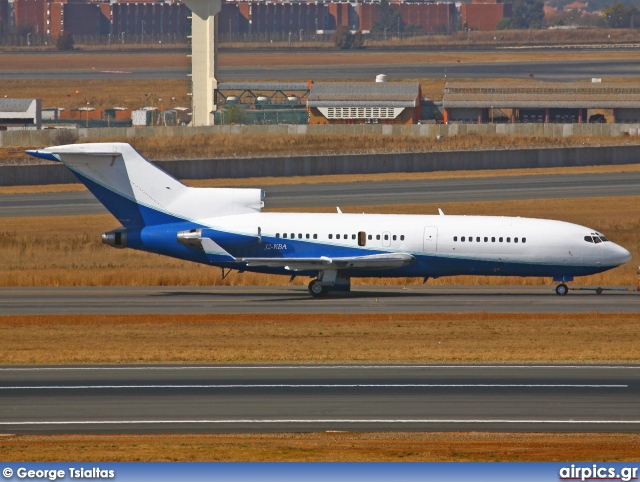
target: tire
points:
(598, 290)
(562, 289)
(316, 289)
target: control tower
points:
(204, 58)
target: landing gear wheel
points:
(598, 290)
(316, 289)
(562, 289)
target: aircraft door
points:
(430, 239)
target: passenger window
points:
(337, 236)
(331, 236)
(353, 236)
(478, 239)
(462, 239)
(508, 240)
(394, 237)
(299, 235)
(370, 237)
(486, 240)
(315, 236)
(455, 238)
(493, 239)
(307, 235)
(524, 240)
(293, 235)
(402, 237)
(362, 238)
(386, 237)
(284, 235)
(515, 240)
(346, 236)
(378, 237)
(277, 235)
(500, 239)
(470, 239)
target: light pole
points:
(88, 114)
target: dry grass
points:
(146, 60)
(100, 93)
(67, 251)
(345, 178)
(230, 146)
(325, 447)
(320, 338)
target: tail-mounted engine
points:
(116, 238)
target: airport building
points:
(364, 103)
(20, 114)
(540, 102)
(484, 14)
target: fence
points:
(350, 164)
(40, 138)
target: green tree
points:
(65, 41)
(526, 14)
(387, 18)
(346, 40)
(620, 16)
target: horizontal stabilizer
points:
(138, 193)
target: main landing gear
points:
(329, 280)
(316, 289)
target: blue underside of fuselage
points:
(155, 231)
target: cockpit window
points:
(596, 239)
(588, 239)
(603, 238)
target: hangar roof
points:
(15, 105)
(364, 94)
(605, 95)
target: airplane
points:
(224, 227)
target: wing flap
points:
(374, 261)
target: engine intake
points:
(116, 238)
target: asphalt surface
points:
(296, 299)
(550, 71)
(318, 398)
(370, 193)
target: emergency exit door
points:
(430, 239)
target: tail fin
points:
(139, 193)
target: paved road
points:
(296, 299)
(551, 71)
(370, 193)
(317, 398)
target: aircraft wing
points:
(374, 261)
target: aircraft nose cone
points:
(620, 255)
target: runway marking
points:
(315, 367)
(319, 385)
(320, 421)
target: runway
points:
(550, 71)
(370, 193)
(296, 299)
(148, 399)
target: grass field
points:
(67, 251)
(320, 338)
(230, 146)
(325, 447)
